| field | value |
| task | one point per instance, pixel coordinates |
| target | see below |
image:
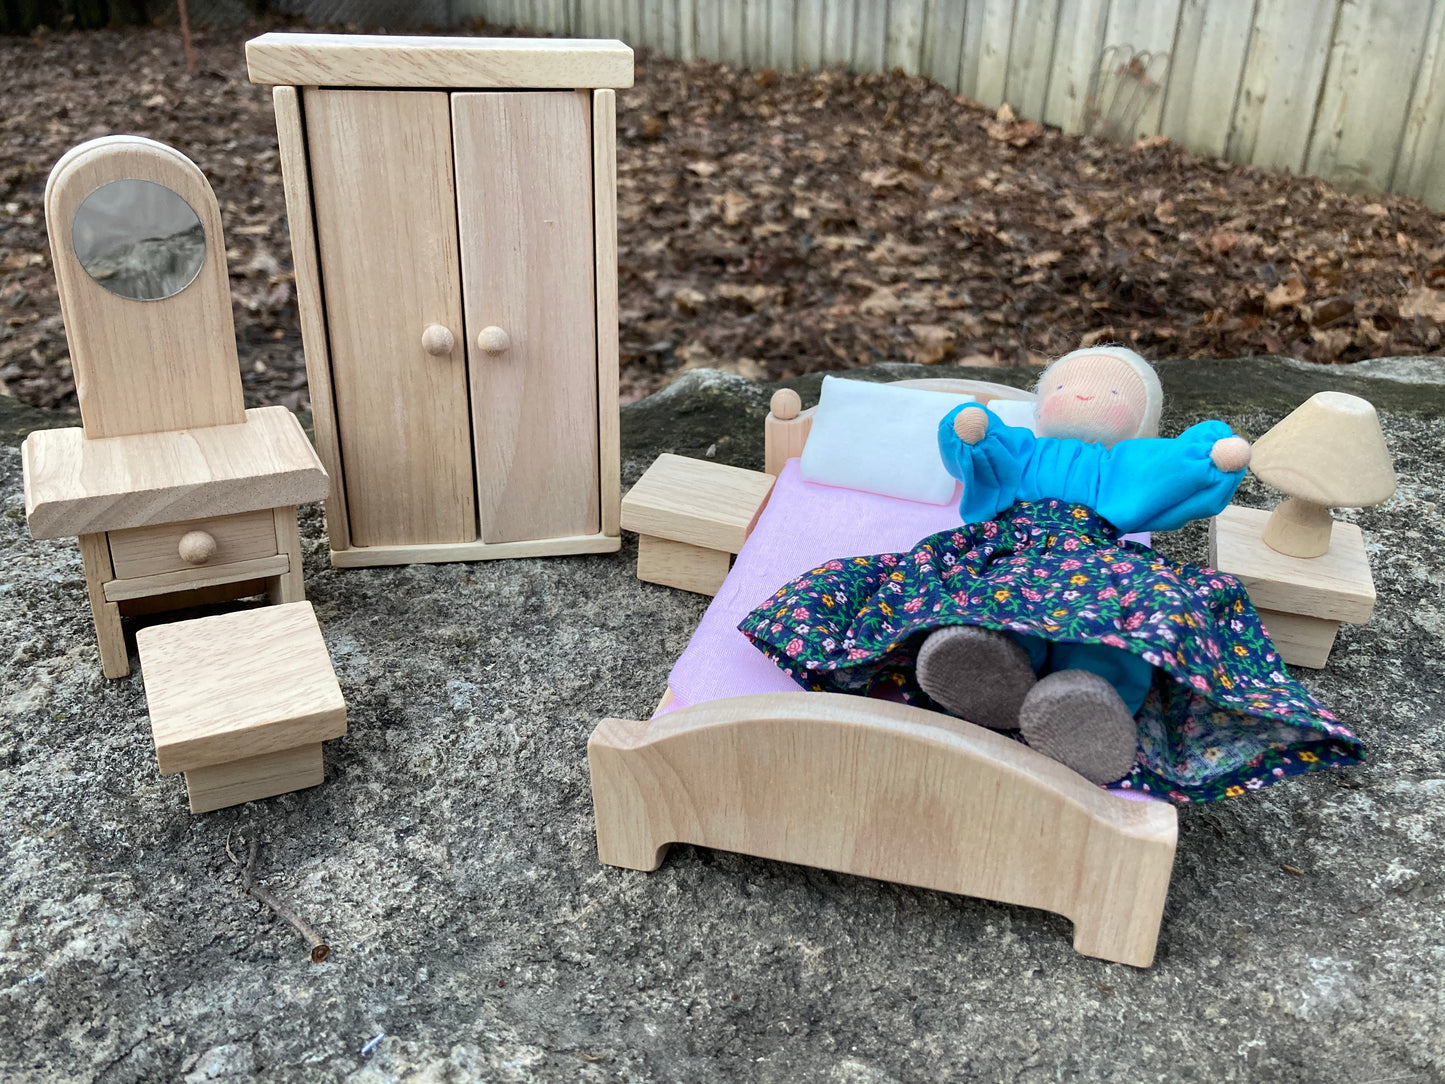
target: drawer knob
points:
(437, 340)
(197, 547)
(493, 339)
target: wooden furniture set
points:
(452, 207)
(452, 204)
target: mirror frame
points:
(144, 366)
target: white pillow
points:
(880, 438)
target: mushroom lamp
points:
(1328, 453)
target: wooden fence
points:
(1350, 90)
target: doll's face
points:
(1093, 397)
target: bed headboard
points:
(787, 426)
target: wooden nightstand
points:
(693, 516)
(1300, 600)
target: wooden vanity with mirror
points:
(178, 494)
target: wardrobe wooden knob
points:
(196, 547)
(437, 341)
(493, 339)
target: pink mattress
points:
(803, 525)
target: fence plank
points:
(1205, 71)
(705, 26)
(904, 45)
(755, 32)
(780, 35)
(995, 35)
(1361, 117)
(943, 42)
(672, 29)
(651, 14)
(1076, 58)
(838, 26)
(1420, 166)
(1288, 51)
(808, 29)
(870, 36)
(1031, 55)
(970, 53)
(687, 29)
(732, 31)
(1147, 25)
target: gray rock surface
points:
(449, 857)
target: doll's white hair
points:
(1153, 390)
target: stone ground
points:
(449, 857)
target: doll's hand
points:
(1230, 454)
(971, 426)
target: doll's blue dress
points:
(1040, 556)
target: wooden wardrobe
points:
(452, 204)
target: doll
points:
(1036, 616)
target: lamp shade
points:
(1328, 451)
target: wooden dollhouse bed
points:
(737, 757)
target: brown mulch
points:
(774, 224)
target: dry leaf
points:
(688, 301)
(753, 295)
(884, 177)
(837, 242)
(880, 302)
(1333, 341)
(935, 342)
(734, 206)
(702, 169)
(1423, 301)
(1291, 291)
(1044, 259)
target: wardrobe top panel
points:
(383, 60)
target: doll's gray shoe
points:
(1076, 718)
(977, 674)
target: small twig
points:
(186, 37)
(319, 948)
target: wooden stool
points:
(692, 516)
(241, 702)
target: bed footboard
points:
(889, 791)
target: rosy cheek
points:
(1120, 415)
(1052, 408)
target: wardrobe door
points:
(381, 174)
(524, 209)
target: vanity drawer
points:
(149, 551)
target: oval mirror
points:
(138, 239)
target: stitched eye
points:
(1059, 388)
(1112, 392)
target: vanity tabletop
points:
(77, 486)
